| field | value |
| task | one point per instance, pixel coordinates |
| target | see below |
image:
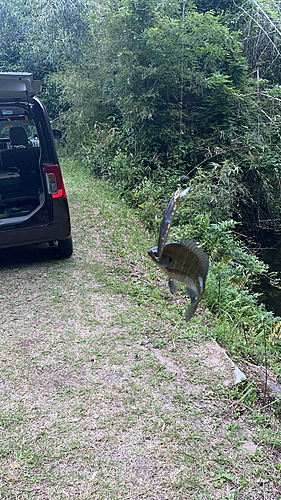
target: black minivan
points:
(33, 203)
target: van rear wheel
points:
(65, 248)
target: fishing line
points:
(181, 84)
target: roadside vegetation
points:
(152, 96)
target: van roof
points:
(18, 86)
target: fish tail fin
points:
(173, 285)
(191, 294)
(191, 310)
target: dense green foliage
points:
(156, 95)
(41, 36)
(162, 89)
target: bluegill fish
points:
(184, 261)
(187, 263)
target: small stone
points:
(249, 447)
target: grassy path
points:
(105, 393)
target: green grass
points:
(105, 391)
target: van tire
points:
(65, 248)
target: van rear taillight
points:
(54, 181)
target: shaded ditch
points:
(270, 286)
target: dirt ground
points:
(92, 407)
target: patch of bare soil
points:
(91, 410)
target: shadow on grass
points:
(29, 254)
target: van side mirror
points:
(57, 134)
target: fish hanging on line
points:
(184, 261)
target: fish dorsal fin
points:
(192, 246)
